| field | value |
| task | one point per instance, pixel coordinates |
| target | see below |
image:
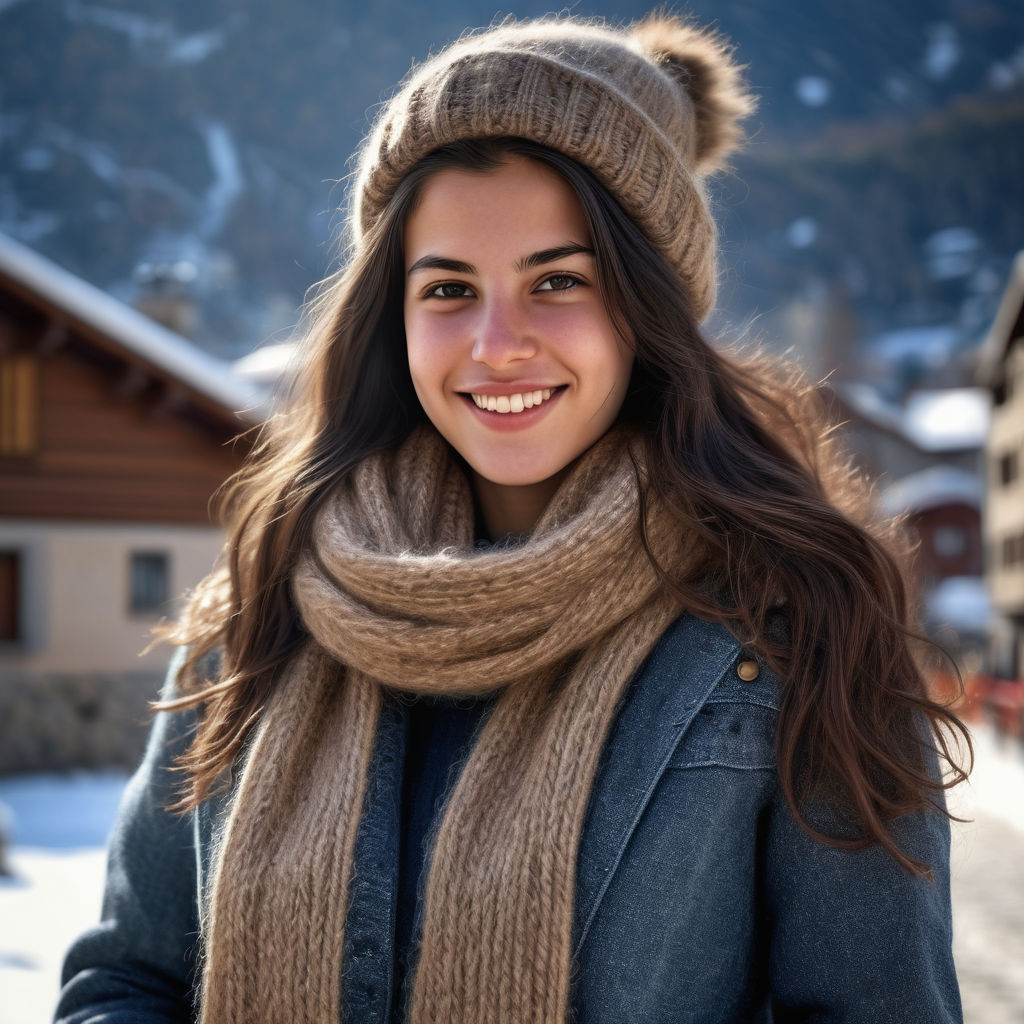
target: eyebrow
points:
(441, 263)
(537, 259)
(559, 252)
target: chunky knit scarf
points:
(394, 594)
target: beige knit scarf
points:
(395, 595)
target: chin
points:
(507, 474)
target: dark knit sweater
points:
(441, 730)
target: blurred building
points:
(943, 506)
(114, 434)
(1001, 369)
(929, 427)
(925, 453)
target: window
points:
(949, 541)
(10, 596)
(19, 404)
(150, 580)
(1008, 468)
(1013, 551)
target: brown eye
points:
(558, 283)
(449, 290)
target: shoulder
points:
(706, 661)
(715, 699)
(174, 726)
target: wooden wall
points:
(935, 560)
(110, 438)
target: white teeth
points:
(512, 403)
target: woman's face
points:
(512, 353)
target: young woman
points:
(554, 670)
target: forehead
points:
(521, 202)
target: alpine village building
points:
(1002, 371)
(114, 434)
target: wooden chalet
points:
(114, 434)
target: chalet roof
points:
(939, 420)
(930, 488)
(138, 334)
(267, 365)
(1007, 326)
(868, 403)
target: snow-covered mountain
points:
(203, 146)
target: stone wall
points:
(60, 722)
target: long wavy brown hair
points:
(737, 445)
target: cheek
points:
(613, 382)
(438, 340)
(421, 350)
(602, 357)
(433, 360)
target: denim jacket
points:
(699, 900)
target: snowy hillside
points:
(205, 143)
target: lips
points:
(511, 410)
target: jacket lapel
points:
(670, 688)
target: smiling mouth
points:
(512, 404)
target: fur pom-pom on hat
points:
(701, 61)
(650, 110)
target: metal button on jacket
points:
(748, 671)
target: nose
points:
(504, 334)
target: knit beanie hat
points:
(651, 110)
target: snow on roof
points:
(929, 488)
(961, 602)
(869, 402)
(943, 420)
(951, 419)
(268, 364)
(149, 340)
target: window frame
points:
(158, 563)
(15, 614)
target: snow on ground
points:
(996, 786)
(60, 826)
(55, 896)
